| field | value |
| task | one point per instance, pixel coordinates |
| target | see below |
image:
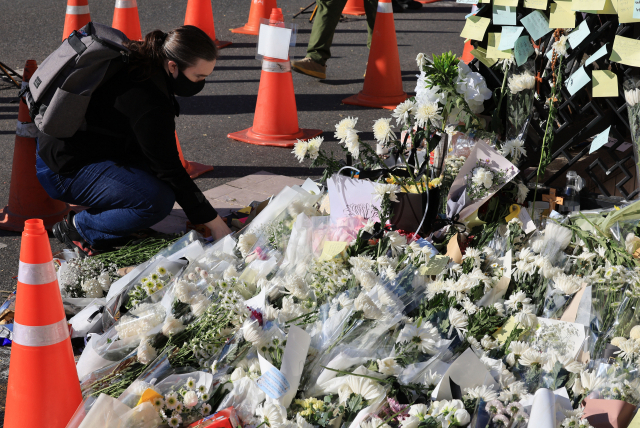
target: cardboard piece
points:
(571, 312)
(605, 83)
(475, 27)
(453, 249)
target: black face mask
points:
(183, 87)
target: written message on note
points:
(522, 50)
(605, 83)
(625, 9)
(626, 51)
(536, 24)
(504, 15)
(561, 17)
(475, 27)
(579, 34)
(588, 5)
(577, 80)
(536, 4)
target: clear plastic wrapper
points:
(520, 101)
(625, 233)
(245, 398)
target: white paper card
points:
(274, 42)
(272, 382)
(293, 360)
(467, 371)
(351, 197)
(528, 225)
(565, 338)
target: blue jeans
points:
(122, 199)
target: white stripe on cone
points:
(37, 274)
(385, 7)
(126, 4)
(37, 336)
(77, 10)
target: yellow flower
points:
(617, 207)
(435, 182)
(318, 406)
(307, 412)
(391, 180)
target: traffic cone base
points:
(221, 44)
(361, 99)
(15, 222)
(195, 169)
(246, 29)
(287, 141)
(259, 9)
(354, 7)
(427, 1)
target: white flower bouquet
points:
(631, 87)
(521, 82)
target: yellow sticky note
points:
(635, 423)
(502, 334)
(485, 1)
(475, 28)
(492, 47)
(481, 54)
(536, 4)
(148, 395)
(625, 11)
(588, 4)
(564, 4)
(561, 17)
(332, 249)
(607, 9)
(605, 83)
(626, 51)
(513, 3)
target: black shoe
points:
(397, 6)
(67, 233)
(414, 5)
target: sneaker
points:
(67, 234)
(310, 67)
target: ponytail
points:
(185, 46)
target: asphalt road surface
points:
(31, 29)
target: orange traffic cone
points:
(43, 388)
(194, 169)
(77, 16)
(200, 14)
(383, 80)
(125, 19)
(275, 122)
(27, 198)
(354, 7)
(467, 56)
(259, 9)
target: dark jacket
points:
(131, 121)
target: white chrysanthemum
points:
(520, 82)
(632, 96)
(629, 349)
(403, 111)
(352, 143)
(514, 149)
(146, 352)
(616, 341)
(458, 319)
(369, 309)
(527, 317)
(428, 113)
(229, 273)
(421, 60)
(389, 366)
(431, 378)
(366, 387)
(363, 262)
(516, 349)
(482, 177)
(252, 332)
(367, 279)
(410, 422)
(532, 357)
(382, 131)
(567, 284)
(246, 243)
(237, 374)
(561, 45)
(343, 127)
(484, 392)
(469, 307)
(272, 413)
(313, 147)
(380, 190)
(397, 242)
(105, 281)
(92, 288)
(172, 326)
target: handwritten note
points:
(577, 80)
(561, 17)
(597, 55)
(467, 1)
(513, 3)
(600, 140)
(481, 55)
(522, 50)
(607, 9)
(536, 4)
(508, 37)
(588, 5)
(625, 9)
(332, 249)
(579, 34)
(536, 24)
(626, 51)
(492, 47)
(502, 334)
(504, 15)
(636, 10)
(565, 4)
(475, 27)
(605, 83)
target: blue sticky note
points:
(475, 12)
(596, 56)
(600, 140)
(636, 9)
(522, 49)
(509, 37)
(504, 15)
(536, 24)
(579, 34)
(577, 80)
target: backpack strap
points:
(76, 43)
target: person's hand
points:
(218, 228)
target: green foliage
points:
(442, 69)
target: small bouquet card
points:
(484, 173)
(350, 197)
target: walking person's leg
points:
(319, 48)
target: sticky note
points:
(536, 24)
(475, 27)
(435, 265)
(626, 51)
(636, 9)
(508, 37)
(597, 55)
(607, 9)
(485, 1)
(579, 34)
(467, 1)
(600, 140)
(481, 55)
(561, 17)
(564, 4)
(504, 15)
(635, 423)
(492, 47)
(536, 4)
(332, 249)
(502, 334)
(625, 10)
(577, 80)
(588, 5)
(512, 3)
(605, 83)
(522, 50)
